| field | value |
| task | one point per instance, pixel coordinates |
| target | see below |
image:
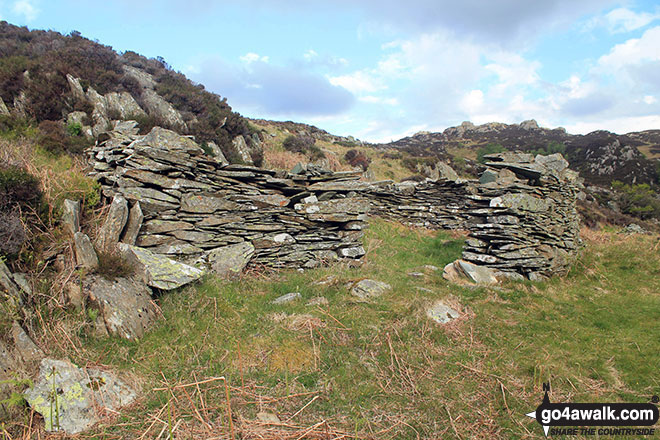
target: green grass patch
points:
(382, 369)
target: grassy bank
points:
(382, 369)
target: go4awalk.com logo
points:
(603, 419)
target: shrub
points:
(488, 149)
(18, 188)
(55, 138)
(357, 159)
(638, 200)
(298, 144)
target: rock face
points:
(194, 206)
(124, 304)
(72, 399)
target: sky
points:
(380, 70)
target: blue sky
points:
(381, 70)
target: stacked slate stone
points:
(529, 223)
(194, 205)
(431, 204)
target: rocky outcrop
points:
(193, 205)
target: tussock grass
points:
(382, 369)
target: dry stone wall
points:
(199, 210)
(521, 215)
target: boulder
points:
(159, 271)
(71, 216)
(229, 261)
(85, 254)
(366, 289)
(114, 224)
(72, 399)
(461, 271)
(446, 172)
(125, 305)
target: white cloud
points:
(634, 51)
(252, 57)
(649, 99)
(357, 82)
(26, 9)
(310, 54)
(616, 124)
(378, 100)
(472, 101)
(622, 20)
(513, 71)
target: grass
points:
(382, 369)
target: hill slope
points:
(46, 76)
(600, 156)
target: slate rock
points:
(461, 271)
(159, 271)
(85, 254)
(442, 313)
(114, 224)
(24, 345)
(289, 297)
(125, 305)
(71, 216)
(365, 289)
(133, 225)
(229, 261)
(80, 395)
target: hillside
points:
(600, 156)
(83, 87)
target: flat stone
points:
(80, 395)
(125, 305)
(207, 204)
(159, 271)
(85, 254)
(416, 274)
(352, 252)
(289, 297)
(365, 289)
(442, 313)
(229, 261)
